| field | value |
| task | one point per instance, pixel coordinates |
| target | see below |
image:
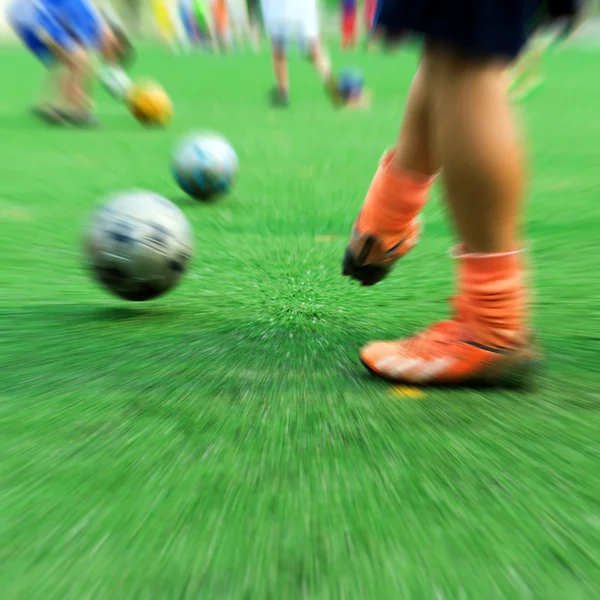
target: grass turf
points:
(224, 442)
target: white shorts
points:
(286, 20)
(238, 12)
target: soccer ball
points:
(116, 82)
(150, 104)
(138, 245)
(205, 165)
(350, 85)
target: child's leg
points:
(222, 24)
(319, 59)
(75, 103)
(348, 28)
(255, 25)
(47, 107)
(239, 22)
(280, 66)
(322, 65)
(280, 96)
(477, 143)
(388, 224)
(414, 150)
(50, 87)
(77, 81)
(306, 29)
(475, 139)
(134, 15)
(206, 22)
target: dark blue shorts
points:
(479, 27)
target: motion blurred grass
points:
(224, 442)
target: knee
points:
(76, 59)
(279, 48)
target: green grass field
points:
(224, 442)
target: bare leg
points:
(46, 108)
(77, 81)
(414, 149)
(280, 67)
(75, 97)
(477, 144)
(320, 60)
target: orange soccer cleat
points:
(389, 224)
(444, 355)
(486, 342)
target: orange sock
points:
(394, 199)
(493, 297)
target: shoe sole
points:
(521, 374)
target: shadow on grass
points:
(26, 122)
(67, 314)
(187, 201)
(526, 386)
(127, 313)
(23, 122)
(218, 339)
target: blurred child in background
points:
(133, 14)
(239, 23)
(288, 20)
(255, 18)
(369, 11)
(167, 23)
(349, 24)
(222, 24)
(205, 24)
(63, 35)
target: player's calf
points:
(280, 95)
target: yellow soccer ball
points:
(150, 104)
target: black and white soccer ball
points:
(138, 245)
(205, 165)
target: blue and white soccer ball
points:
(138, 245)
(205, 165)
(350, 84)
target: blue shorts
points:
(47, 33)
(41, 25)
(478, 27)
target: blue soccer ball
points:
(350, 84)
(205, 165)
